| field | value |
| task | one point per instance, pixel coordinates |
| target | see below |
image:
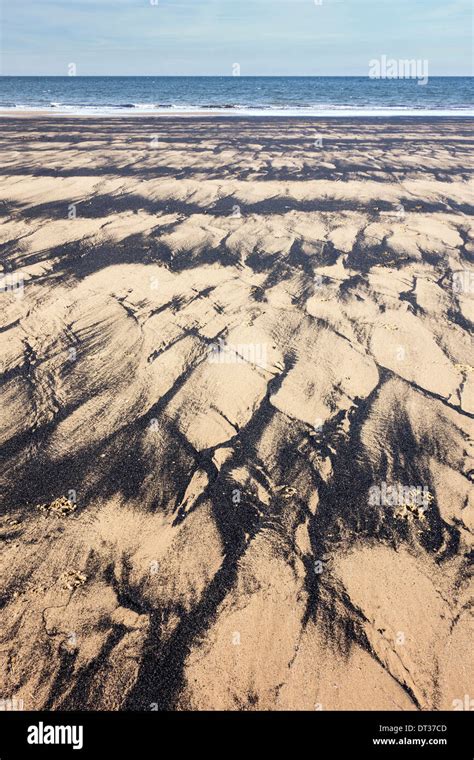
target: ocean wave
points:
(240, 109)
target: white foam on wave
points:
(241, 110)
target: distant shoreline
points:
(236, 114)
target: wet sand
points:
(227, 347)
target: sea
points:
(239, 95)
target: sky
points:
(207, 37)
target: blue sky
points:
(206, 37)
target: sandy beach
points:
(237, 404)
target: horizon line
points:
(226, 76)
